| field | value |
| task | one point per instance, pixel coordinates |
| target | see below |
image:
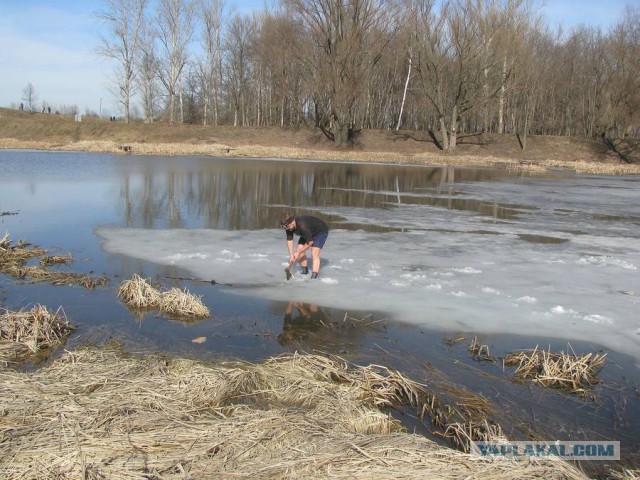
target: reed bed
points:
(25, 332)
(575, 373)
(480, 352)
(139, 295)
(12, 254)
(116, 416)
(36, 274)
(625, 474)
(49, 260)
(13, 260)
(460, 421)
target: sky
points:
(50, 44)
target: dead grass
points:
(25, 332)
(49, 260)
(626, 474)
(18, 253)
(568, 371)
(109, 415)
(139, 295)
(13, 260)
(479, 352)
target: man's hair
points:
(286, 219)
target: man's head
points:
(288, 221)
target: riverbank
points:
(101, 413)
(20, 130)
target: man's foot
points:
(305, 270)
(314, 275)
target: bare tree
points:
(461, 60)
(174, 30)
(30, 97)
(347, 37)
(239, 47)
(278, 40)
(147, 79)
(210, 12)
(622, 115)
(124, 20)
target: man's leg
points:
(302, 259)
(315, 256)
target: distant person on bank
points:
(313, 233)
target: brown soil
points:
(42, 131)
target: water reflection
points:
(300, 319)
(309, 327)
(242, 194)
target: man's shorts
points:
(318, 240)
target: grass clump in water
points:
(139, 295)
(568, 371)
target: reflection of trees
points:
(236, 194)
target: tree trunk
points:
(445, 134)
(341, 135)
(404, 96)
(453, 137)
(501, 97)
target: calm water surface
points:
(56, 200)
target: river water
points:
(419, 261)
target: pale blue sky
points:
(50, 42)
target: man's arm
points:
(306, 247)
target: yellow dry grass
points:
(625, 474)
(27, 332)
(575, 373)
(138, 294)
(13, 260)
(284, 152)
(109, 415)
(49, 260)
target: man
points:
(313, 233)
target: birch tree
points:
(174, 31)
(124, 21)
(210, 12)
(147, 78)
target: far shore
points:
(290, 153)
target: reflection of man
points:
(308, 315)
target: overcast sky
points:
(50, 42)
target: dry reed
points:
(569, 371)
(37, 274)
(461, 421)
(138, 294)
(182, 304)
(23, 332)
(49, 260)
(109, 415)
(625, 474)
(13, 260)
(480, 352)
(16, 254)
